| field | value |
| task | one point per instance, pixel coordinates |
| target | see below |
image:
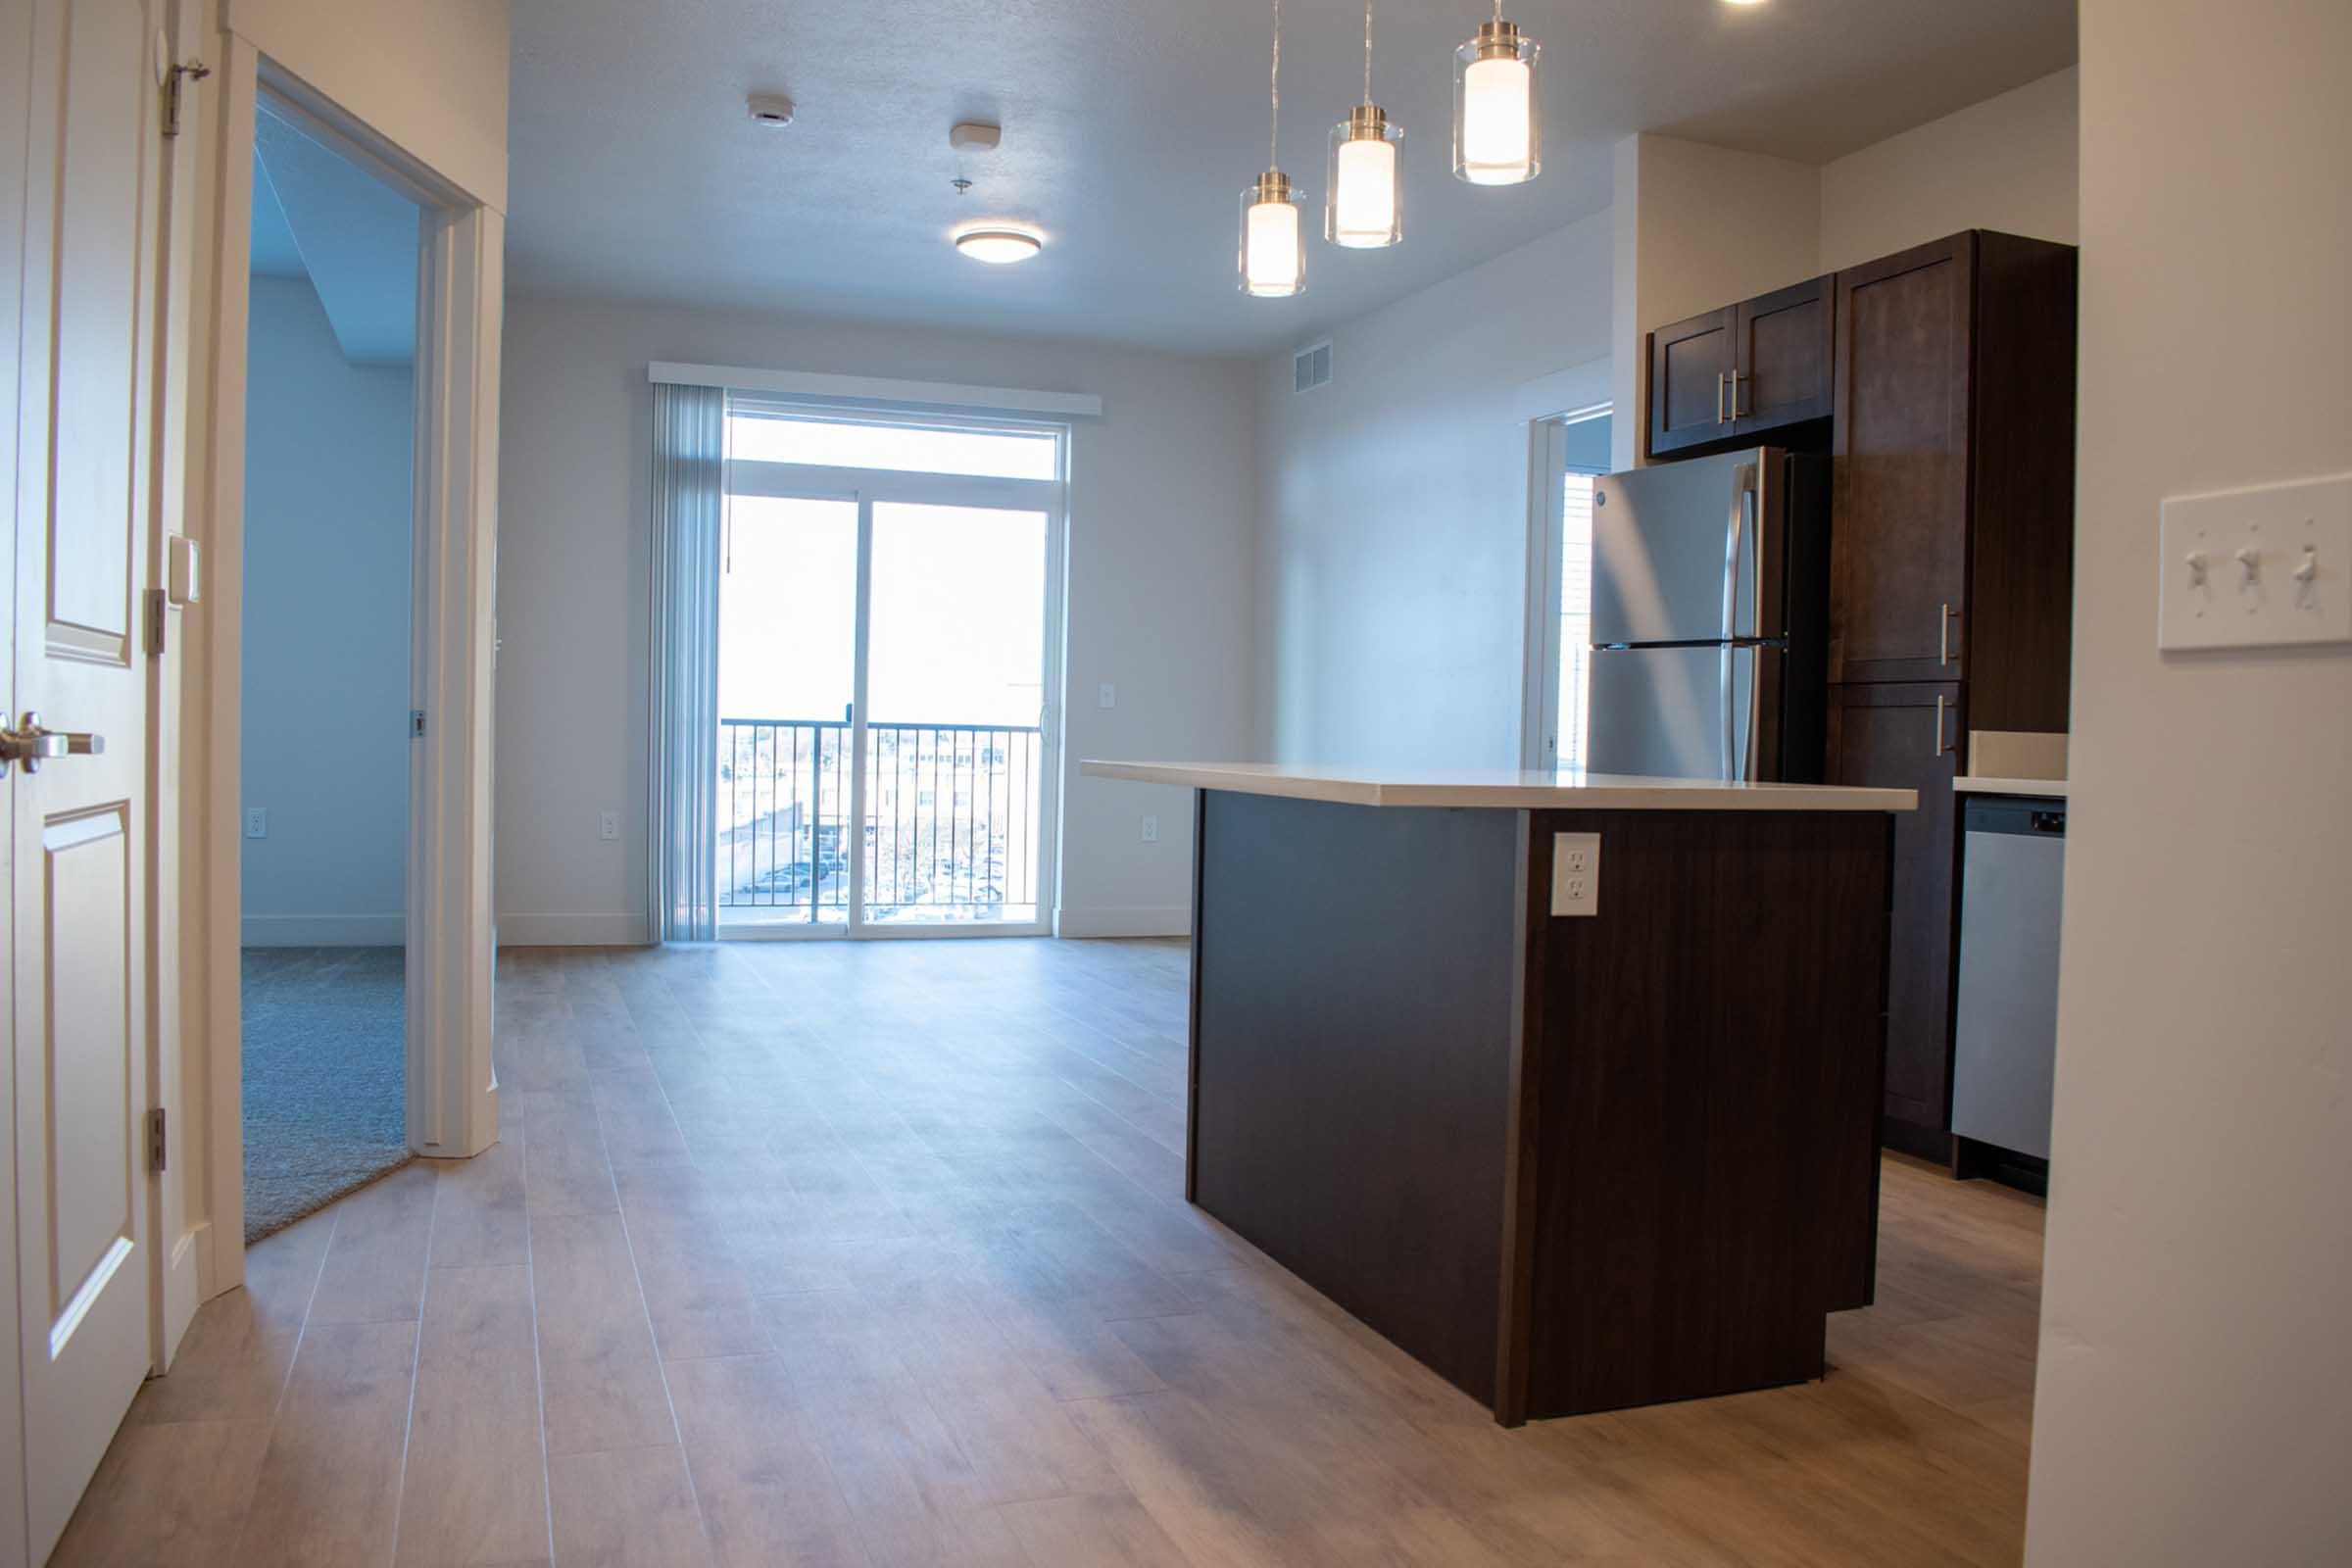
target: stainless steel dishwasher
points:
(2013, 871)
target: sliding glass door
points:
(888, 648)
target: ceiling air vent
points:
(1311, 367)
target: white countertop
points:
(2048, 787)
(1503, 788)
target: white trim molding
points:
(574, 931)
(325, 930)
(873, 391)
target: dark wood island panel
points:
(1569, 1164)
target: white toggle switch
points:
(2308, 523)
(1576, 873)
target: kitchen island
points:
(1570, 1162)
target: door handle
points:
(1943, 637)
(1735, 392)
(1941, 748)
(30, 745)
(1719, 397)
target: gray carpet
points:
(325, 1077)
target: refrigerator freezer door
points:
(1666, 541)
(1659, 712)
(1680, 713)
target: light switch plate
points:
(1576, 873)
(2257, 569)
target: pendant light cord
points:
(1368, 49)
(1274, 136)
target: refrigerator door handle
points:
(1755, 712)
(1743, 486)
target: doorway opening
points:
(1575, 453)
(327, 673)
(889, 628)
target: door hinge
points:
(158, 618)
(415, 723)
(177, 76)
(157, 1144)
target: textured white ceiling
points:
(1131, 127)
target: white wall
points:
(427, 75)
(1158, 593)
(2007, 162)
(2194, 1401)
(1697, 227)
(1391, 555)
(328, 486)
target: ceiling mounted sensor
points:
(974, 136)
(770, 109)
(998, 244)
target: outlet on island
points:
(1150, 831)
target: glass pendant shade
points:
(1495, 127)
(1273, 261)
(1363, 208)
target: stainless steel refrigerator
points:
(1710, 605)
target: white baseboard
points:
(1134, 920)
(571, 931)
(325, 930)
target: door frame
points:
(868, 488)
(1539, 678)
(451, 1086)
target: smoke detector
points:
(770, 109)
(974, 137)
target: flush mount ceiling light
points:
(1361, 209)
(998, 244)
(1495, 130)
(1273, 261)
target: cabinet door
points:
(1782, 343)
(1906, 737)
(1899, 571)
(1691, 381)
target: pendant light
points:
(1363, 210)
(1496, 132)
(1273, 260)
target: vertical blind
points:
(690, 460)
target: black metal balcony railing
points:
(950, 831)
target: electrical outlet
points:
(1150, 831)
(256, 822)
(609, 827)
(1576, 873)
(1106, 695)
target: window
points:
(887, 647)
(1577, 453)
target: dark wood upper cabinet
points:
(1691, 365)
(1784, 349)
(1747, 372)
(1907, 736)
(1899, 561)
(1953, 555)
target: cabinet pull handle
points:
(1941, 748)
(1735, 392)
(1943, 637)
(1719, 397)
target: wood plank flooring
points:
(876, 1255)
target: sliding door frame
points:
(869, 488)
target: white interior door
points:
(83, 445)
